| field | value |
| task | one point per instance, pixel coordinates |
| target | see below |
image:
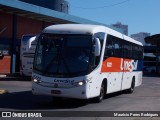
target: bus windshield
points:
(63, 55)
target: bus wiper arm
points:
(49, 65)
(65, 64)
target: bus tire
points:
(131, 89)
(56, 99)
(101, 95)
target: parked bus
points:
(85, 61)
(149, 63)
(28, 45)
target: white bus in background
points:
(85, 61)
(28, 45)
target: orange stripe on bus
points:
(113, 64)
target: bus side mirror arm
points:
(97, 47)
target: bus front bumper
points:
(78, 92)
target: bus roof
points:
(86, 29)
(74, 28)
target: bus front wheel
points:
(56, 99)
(101, 95)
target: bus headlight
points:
(36, 81)
(80, 83)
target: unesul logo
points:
(128, 65)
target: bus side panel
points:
(127, 73)
(112, 68)
(139, 79)
(127, 79)
(94, 83)
(131, 68)
(114, 82)
(139, 73)
(120, 72)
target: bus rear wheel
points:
(131, 89)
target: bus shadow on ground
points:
(27, 101)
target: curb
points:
(15, 79)
(3, 76)
(3, 91)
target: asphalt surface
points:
(145, 98)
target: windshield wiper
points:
(49, 65)
(65, 64)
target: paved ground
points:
(145, 98)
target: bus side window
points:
(113, 47)
(109, 48)
(117, 47)
(130, 50)
(125, 49)
(140, 53)
(136, 51)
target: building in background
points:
(21, 17)
(152, 54)
(151, 51)
(124, 28)
(140, 37)
(57, 5)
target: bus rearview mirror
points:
(97, 47)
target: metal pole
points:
(13, 44)
(157, 56)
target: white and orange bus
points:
(85, 61)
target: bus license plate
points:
(55, 91)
